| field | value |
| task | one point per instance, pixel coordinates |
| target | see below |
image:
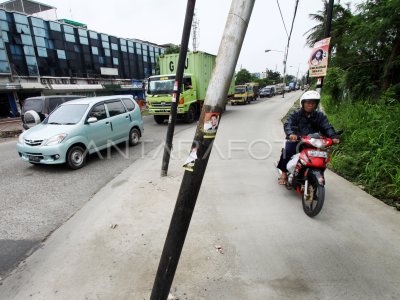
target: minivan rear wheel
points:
(76, 157)
(134, 136)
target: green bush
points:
(334, 82)
(369, 154)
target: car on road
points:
(36, 109)
(80, 127)
(267, 91)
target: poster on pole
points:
(318, 62)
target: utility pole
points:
(284, 67)
(177, 86)
(195, 32)
(329, 13)
(228, 54)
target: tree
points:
(171, 49)
(341, 17)
(243, 76)
(377, 31)
(274, 76)
(365, 46)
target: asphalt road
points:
(36, 199)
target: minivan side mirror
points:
(92, 120)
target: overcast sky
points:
(161, 22)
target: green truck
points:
(197, 74)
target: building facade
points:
(41, 57)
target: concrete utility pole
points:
(329, 13)
(284, 67)
(228, 53)
(178, 86)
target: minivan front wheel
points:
(134, 136)
(76, 157)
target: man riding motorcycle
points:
(302, 122)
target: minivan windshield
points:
(33, 104)
(67, 114)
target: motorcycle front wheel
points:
(314, 200)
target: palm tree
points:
(340, 17)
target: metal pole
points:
(228, 53)
(178, 85)
(328, 24)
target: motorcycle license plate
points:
(315, 153)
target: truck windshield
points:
(160, 87)
(240, 90)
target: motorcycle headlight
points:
(21, 139)
(54, 140)
(317, 143)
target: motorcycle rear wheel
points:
(312, 204)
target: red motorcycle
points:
(306, 171)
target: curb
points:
(10, 133)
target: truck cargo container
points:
(197, 74)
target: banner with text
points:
(318, 62)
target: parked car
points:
(287, 89)
(267, 91)
(81, 127)
(36, 109)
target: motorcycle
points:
(306, 171)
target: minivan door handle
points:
(109, 123)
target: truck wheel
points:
(190, 115)
(159, 119)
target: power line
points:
(284, 25)
(291, 29)
(287, 46)
(294, 16)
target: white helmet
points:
(310, 95)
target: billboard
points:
(318, 62)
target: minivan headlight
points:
(54, 140)
(21, 139)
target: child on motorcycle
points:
(302, 122)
